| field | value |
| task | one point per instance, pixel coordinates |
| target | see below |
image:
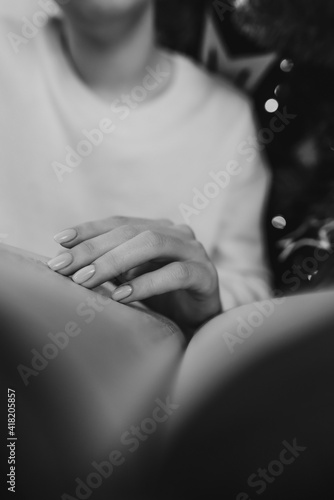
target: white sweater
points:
(182, 156)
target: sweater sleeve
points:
(240, 255)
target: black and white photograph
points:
(167, 249)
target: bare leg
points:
(249, 393)
(85, 369)
(239, 400)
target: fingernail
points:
(84, 275)
(61, 261)
(65, 236)
(122, 292)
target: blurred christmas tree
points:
(302, 155)
(282, 53)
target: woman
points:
(119, 126)
(206, 367)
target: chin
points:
(101, 8)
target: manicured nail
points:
(84, 275)
(122, 292)
(61, 261)
(65, 236)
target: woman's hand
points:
(156, 262)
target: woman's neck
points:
(112, 58)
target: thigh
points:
(85, 370)
(257, 386)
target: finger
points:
(140, 250)
(86, 252)
(75, 235)
(186, 231)
(173, 277)
(89, 250)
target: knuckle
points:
(201, 251)
(210, 280)
(198, 252)
(113, 263)
(154, 239)
(150, 283)
(166, 222)
(129, 232)
(87, 247)
(209, 268)
(187, 230)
